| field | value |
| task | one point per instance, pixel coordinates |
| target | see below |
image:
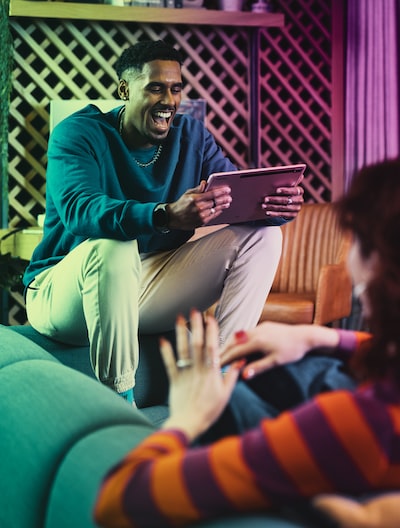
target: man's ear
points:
(123, 90)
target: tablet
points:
(248, 189)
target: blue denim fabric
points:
(277, 390)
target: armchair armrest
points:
(333, 295)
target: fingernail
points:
(180, 320)
(240, 336)
(248, 373)
(240, 363)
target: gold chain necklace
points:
(139, 163)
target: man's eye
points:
(177, 90)
(156, 89)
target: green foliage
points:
(6, 66)
(11, 271)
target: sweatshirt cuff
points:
(347, 341)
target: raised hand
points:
(198, 390)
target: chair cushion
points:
(292, 308)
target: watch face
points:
(160, 218)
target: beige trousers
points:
(103, 291)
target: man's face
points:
(154, 96)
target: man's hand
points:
(285, 203)
(196, 207)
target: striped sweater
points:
(338, 442)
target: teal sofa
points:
(62, 430)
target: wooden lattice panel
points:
(295, 94)
(57, 59)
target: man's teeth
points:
(164, 115)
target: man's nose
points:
(168, 98)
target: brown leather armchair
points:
(312, 284)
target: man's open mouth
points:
(162, 118)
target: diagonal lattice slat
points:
(60, 59)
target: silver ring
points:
(298, 191)
(290, 201)
(184, 363)
(212, 210)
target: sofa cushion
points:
(76, 357)
(82, 470)
(151, 379)
(15, 348)
(46, 408)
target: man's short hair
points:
(136, 56)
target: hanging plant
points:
(11, 271)
(6, 67)
(11, 268)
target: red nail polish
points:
(240, 336)
(247, 373)
(241, 363)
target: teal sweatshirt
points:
(95, 189)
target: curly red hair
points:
(371, 211)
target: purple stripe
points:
(207, 496)
(272, 480)
(327, 451)
(347, 340)
(138, 502)
(375, 414)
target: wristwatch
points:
(160, 218)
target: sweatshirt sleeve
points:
(163, 482)
(350, 342)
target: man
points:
(125, 192)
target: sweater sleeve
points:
(164, 483)
(350, 342)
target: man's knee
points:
(116, 256)
(272, 235)
(266, 239)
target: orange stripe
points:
(164, 441)
(394, 412)
(354, 434)
(108, 510)
(168, 489)
(362, 337)
(113, 489)
(294, 455)
(234, 477)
